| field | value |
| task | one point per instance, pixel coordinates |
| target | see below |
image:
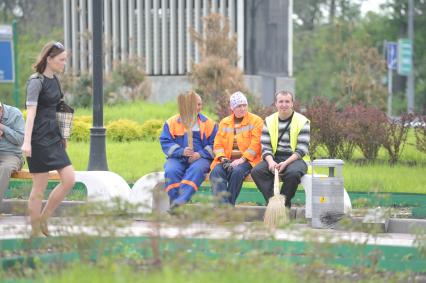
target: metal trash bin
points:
(327, 191)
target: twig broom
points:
(188, 112)
(275, 213)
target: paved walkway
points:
(13, 227)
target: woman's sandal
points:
(44, 229)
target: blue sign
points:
(7, 71)
(391, 55)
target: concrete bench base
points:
(147, 193)
(149, 188)
(100, 185)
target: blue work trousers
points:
(183, 178)
(227, 185)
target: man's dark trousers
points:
(291, 176)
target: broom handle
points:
(276, 183)
(190, 139)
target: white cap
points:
(236, 99)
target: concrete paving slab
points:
(16, 227)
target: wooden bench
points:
(25, 174)
(100, 185)
(247, 179)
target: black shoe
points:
(173, 207)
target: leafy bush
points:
(396, 136)
(81, 128)
(215, 78)
(80, 131)
(150, 129)
(420, 132)
(124, 130)
(78, 89)
(217, 75)
(369, 130)
(326, 126)
(347, 147)
(127, 82)
(159, 131)
(84, 118)
(311, 113)
(256, 106)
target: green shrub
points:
(78, 89)
(127, 82)
(151, 129)
(420, 132)
(84, 118)
(80, 130)
(124, 130)
(217, 76)
(159, 132)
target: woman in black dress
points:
(43, 145)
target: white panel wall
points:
(155, 30)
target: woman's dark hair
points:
(51, 49)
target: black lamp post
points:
(97, 158)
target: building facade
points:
(158, 32)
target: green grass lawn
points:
(217, 273)
(382, 178)
(138, 111)
(132, 160)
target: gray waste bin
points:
(327, 191)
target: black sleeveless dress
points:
(47, 148)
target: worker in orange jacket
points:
(237, 150)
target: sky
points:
(371, 5)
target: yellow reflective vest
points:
(297, 123)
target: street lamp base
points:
(97, 157)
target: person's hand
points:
(281, 166)
(1, 133)
(226, 164)
(188, 152)
(271, 165)
(194, 157)
(26, 149)
(238, 161)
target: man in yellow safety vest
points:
(285, 146)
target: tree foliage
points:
(337, 51)
(38, 17)
(329, 36)
(217, 75)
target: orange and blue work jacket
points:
(174, 138)
(248, 139)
